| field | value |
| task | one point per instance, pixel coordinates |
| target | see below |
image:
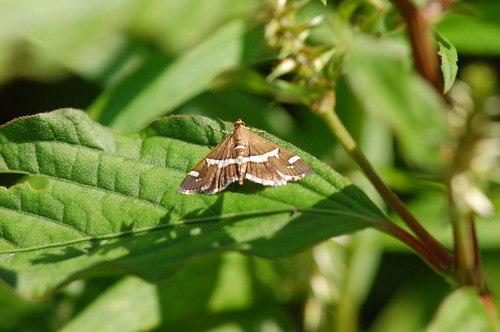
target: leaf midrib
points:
(181, 223)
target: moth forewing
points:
(204, 177)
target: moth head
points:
(239, 123)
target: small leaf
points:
(462, 311)
(449, 59)
(111, 198)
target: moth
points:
(244, 155)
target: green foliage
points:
(91, 224)
(227, 292)
(129, 106)
(473, 28)
(106, 195)
(379, 75)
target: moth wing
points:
(273, 169)
(212, 178)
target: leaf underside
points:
(108, 200)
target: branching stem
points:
(444, 258)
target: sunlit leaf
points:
(111, 198)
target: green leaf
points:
(111, 198)
(227, 287)
(463, 311)
(449, 59)
(160, 85)
(85, 41)
(380, 75)
(133, 304)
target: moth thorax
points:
(240, 142)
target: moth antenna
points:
(226, 122)
(220, 130)
(258, 130)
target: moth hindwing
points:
(244, 155)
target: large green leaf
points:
(107, 197)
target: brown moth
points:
(244, 155)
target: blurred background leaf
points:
(380, 76)
(151, 92)
(473, 28)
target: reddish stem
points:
(420, 248)
(422, 42)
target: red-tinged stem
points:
(489, 304)
(423, 251)
(423, 46)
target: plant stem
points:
(336, 126)
(423, 47)
(489, 303)
(423, 251)
(467, 259)
(464, 249)
(467, 265)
